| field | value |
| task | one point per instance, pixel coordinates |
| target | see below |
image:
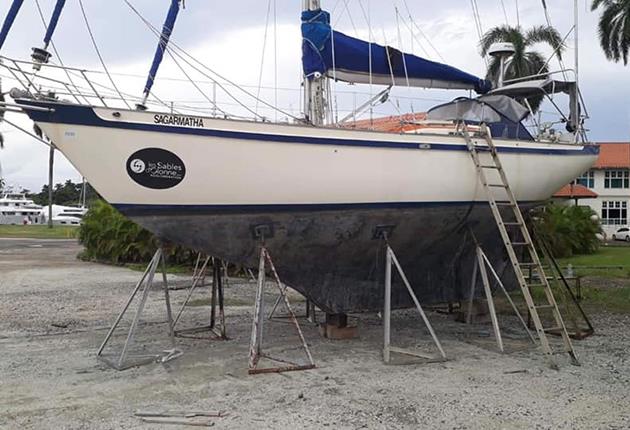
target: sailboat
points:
(318, 193)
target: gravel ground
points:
(55, 311)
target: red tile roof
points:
(575, 191)
(613, 155)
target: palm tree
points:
(525, 61)
(614, 28)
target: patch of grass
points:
(38, 232)
(603, 297)
(612, 299)
(608, 262)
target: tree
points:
(66, 194)
(614, 28)
(525, 61)
(568, 230)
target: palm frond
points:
(614, 28)
(597, 3)
(545, 34)
(503, 33)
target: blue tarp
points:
(351, 61)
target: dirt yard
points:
(55, 311)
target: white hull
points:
(237, 171)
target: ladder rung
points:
(498, 185)
(527, 264)
(536, 285)
(489, 167)
(505, 204)
(520, 243)
(548, 330)
(512, 223)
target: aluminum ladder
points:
(487, 160)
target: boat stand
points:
(571, 303)
(217, 331)
(125, 360)
(310, 314)
(256, 349)
(482, 263)
(390, 258)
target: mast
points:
(576, 101)
(314, 88)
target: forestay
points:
(336, 55)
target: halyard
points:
(55, 311)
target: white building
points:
(609, 179)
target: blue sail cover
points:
(389, 66)
(54, 20)
(9, 20)
(167, 30)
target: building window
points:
(614, 213)
(617, 179)
(587, 179)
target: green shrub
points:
(568, 230)
(108, 236)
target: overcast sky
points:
(228, 37)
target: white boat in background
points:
(17, 209)
(65, 215)
(318, 191)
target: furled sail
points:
(9, 20)
(167, 30)
(351, 60)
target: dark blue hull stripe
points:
(135, 209)
(85, 115)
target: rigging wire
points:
(347, 11)
(98, 52)
(203, 93)
(475, 9)
(478, 25)
(262, 59)
(158, 34)
(181, 53)
(548, 19)
(367, 16)
(54, 47)
(415, 24)
(414, 37)
(275, 58)
(370, 48)
(507, 21)
(334, 80)
(402, 48)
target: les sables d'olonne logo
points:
(156, 168)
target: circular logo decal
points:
(156, 168)
(137, 165)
